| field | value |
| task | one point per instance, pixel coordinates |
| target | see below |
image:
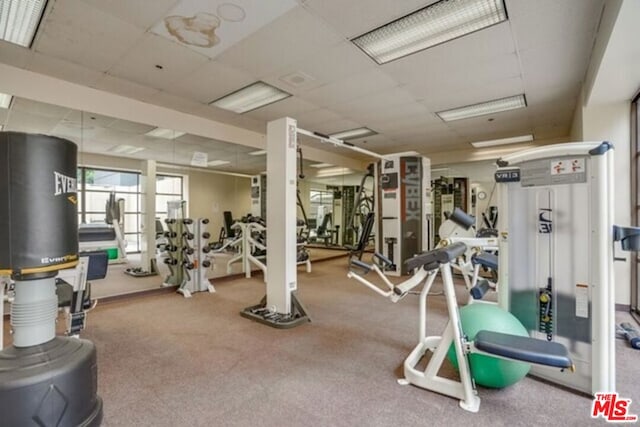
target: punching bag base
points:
(52, 384)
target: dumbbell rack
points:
(187, 255)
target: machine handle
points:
(383, 259)
(363, 265)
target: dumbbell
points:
(206, 235)
(187, 221)
(187, 250)
(206, 249)
(171, 248)
(170, 234)
(188, 265)
(206, 263)
(205, 220)
(188, 235)
(171, 261)
(170, 221)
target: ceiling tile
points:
(79, 33)
(210, 82)
(14, 54)
(544, 21)
(136, 12)
(348, 89)
(64, 70)
(288, 107)
(289, 39)
(352, 18)
(327, 65)
(139, 64)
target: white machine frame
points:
(598, 373)
(438, 345)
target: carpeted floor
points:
(117, 283)
(169, 361)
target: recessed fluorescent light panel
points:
(430, 26)
(5, 100)
(165, 133)
(258, 153)
(346, 135)
(503, 141)
(125, 149)
(19, 20)
(250, 98)
(321, 165)
(218, 163)
(326, 173)
(484, 108)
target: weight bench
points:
(524, 349)
(358, 250)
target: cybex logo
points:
(545, 223)
(64, 184)
(412, 189)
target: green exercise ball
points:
(490, 371)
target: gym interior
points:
(319, 212)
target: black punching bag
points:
(44, 380)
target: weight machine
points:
(557, 251)
(405, 208)
(426, 267)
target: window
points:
(320, 201)
(94, 188)
(96, 185)
(168, 188)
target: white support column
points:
(148, 209)
(281, 213)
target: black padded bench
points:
(525, 349)
(486, 259)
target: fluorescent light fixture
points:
(258, 153)
(218, 162)
(321, 165)
(250, 98)
(439, 169)
(484, 108)
(125, 149)
(430, 26)
(503, 141)
(5, 100)
(326, 173)
(19, 20)
(346, 135)
(165, 133)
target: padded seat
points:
(486, 259)
(525, 349)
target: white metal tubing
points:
(454, 316)
(568, 149)
(369, 285)
(422, 331)
(609, 206)
(340, 143)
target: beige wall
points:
(611, 122)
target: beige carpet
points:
(118, 283)
(169, 361)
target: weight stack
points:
(44, 380)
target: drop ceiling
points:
(542, 50)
